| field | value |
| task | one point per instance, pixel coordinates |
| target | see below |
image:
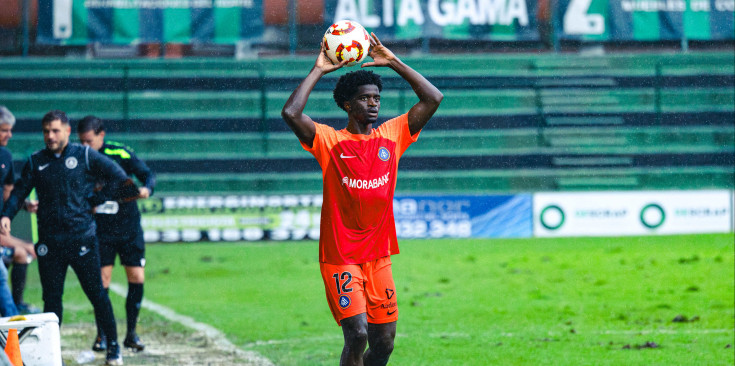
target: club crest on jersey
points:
(383, 154)
(71, 162)
(344, 302)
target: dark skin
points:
(362, 112)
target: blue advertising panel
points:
(502, 216)
(297, 217)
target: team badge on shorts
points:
(344, 302)
(71, 162)
(383, 154)
(41, 250)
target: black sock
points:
(18, 281)
(132, 304)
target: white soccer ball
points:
(347, 40)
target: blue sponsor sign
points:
(501, 216)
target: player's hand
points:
(31, 206)
(144, 193)
(380, 54)
(30, 250)
(323, 62)
(5, 225)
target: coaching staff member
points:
(64, 177)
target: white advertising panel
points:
(632, 213)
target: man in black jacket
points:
(118, 227)
(64, 177)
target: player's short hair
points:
(53, 116)
(348, 83)
(6, 117)
(90, 123)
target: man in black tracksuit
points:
(118, 227)
(64, 177)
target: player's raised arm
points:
(429, 96)
(293, 111)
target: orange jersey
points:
(359, 173)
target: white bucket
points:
(41, 345)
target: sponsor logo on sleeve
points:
(344, 301)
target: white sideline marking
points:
(666, 331)
(637, 332)
(219, 339)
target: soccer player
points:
(359, 165)
(118, 227)
(64, 177)
(22, 251)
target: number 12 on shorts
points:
(345, 278)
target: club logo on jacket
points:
(383, 154)
(41, 250)
(71, 162)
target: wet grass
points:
(665, 300)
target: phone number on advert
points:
(433, 229)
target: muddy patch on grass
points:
(163, 347)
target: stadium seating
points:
(508, 123)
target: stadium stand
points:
(509, 123)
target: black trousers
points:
(54, 258)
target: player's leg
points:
(106, 273)
(343, 285)
(382, 311)
(132, 256)
(18, 273)
(107, 260)
(380, 343)
(52, 265)
(133, 302)
(355, 332)
(87, 268)
(7, 306)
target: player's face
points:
(92, 140)
(6, 132)
(56, 135)
(365, 105)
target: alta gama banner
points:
(645, 20)
(297, 217)
(79, 22)
(502, 20)
(632, 213)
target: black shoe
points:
(114, 357)
(133, 342)
(100, 343)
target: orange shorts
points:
(354, 289)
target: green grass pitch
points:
(659, 300)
